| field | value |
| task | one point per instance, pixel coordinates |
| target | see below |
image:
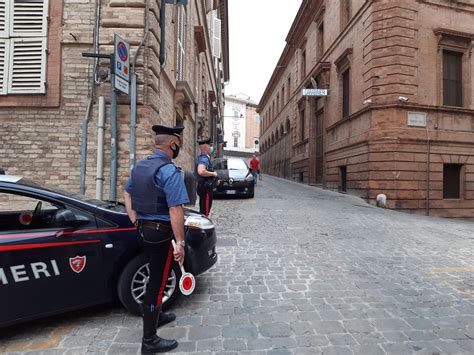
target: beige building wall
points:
(41, 134)
(241, 119)
(394, 50)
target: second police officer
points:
(205, 176)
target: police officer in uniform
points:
(154, 198)
(205, 177)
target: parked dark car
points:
(60, 251)
(235, 177)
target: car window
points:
(21, 212)
(219, 164)
(236, 164)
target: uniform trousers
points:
(159, 251)
(205, 199)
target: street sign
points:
(121, 84)
(122, 58)
(417, 119)
(315, 92)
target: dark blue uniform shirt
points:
(170, 179)
(205, 160)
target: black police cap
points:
(170, 131)
(204, 141)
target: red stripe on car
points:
(59, 233)
(43, 245)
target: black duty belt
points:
(156, 226)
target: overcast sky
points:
(257, 32)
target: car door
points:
(50, 256)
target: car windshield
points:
(29, 182)
(229, 164)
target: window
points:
(345, 13)
(303, 64)
(181, 43)
(289, 88)
(23, 34)
(236, 135)
(452, 180)
(216, 36)
(452, 78)
(19, 212)
(282, 96)
(278, 103)
(302, 123)
(343, 178)
(320, 40)
(345, 92)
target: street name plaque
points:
(315, 92)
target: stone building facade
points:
(49, 91)
(241, 124)
(399, 116)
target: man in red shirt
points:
(255, 168)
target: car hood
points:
(234, 174)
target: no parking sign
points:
(121, 63)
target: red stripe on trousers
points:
(159, 300)
(207, 203)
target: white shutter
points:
(4, 18)
(4, 44)
(216, 38)
(28, 18)
(27, 72)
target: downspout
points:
(133, 102)
(100, 150)
(428, 153)
(162, 28)
(85, 122)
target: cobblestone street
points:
(302, 271)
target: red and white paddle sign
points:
(187, 283)
(25, 218)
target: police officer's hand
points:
(179, 253)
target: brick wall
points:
(44, 141)
(393, 48)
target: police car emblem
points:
(77, 263)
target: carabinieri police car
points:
(60, 251)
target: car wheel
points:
(134, 278)
(251, 192)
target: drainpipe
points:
(428, 153)
(162, 27)
(85, 122)
(100, 150)
(113, 137)
(133, 100)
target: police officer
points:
(205, 177)
(154, 198)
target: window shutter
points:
(4, 43)
(28, 18)
(216, 38)
(4, 11)
(27, 72)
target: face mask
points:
(175, 151)
(212, 151)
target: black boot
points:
(165, 318)
(151, 343)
